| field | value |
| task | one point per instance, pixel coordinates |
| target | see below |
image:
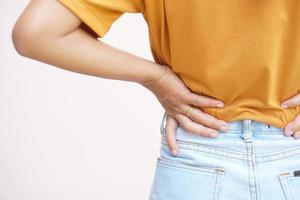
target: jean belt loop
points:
(247, 130)
(162, 124)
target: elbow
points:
(20, 39)
(24, 38)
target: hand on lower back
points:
(176, 98)
(293, 127)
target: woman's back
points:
(245, 53)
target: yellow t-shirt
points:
(244, 53)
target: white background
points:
(65, 135)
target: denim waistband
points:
(240, 126)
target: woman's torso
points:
(245, 53)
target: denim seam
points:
(218, 186)
(165, 162)
(207, 150)
(251, 170)
(288, 184)
(207, 147)
(280, 155)
(289, 152)
(254, 131)
(248, 141)
(285, 185)
(236, 155)
(268, 132)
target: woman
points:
(244, 54)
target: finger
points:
(288, 129)
(171, 125)
(203, 101)
(291, 102)
(292, 126)
(206, 119)
(196, 128)
(296, 135)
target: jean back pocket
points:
(290, 182)
(178, 180)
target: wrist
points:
(159, 72)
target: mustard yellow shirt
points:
(244, 53)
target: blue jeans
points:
(251, 161)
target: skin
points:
(47, 38)
(293, 127)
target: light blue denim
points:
(251, 161)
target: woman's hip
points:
(252, 160)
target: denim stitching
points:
(288, 177)
(236, 155)
(206, 148)
(285, 185)
(216, 184)
(219, 185)
(199, 168)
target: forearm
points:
(80, 52)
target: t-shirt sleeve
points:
(100, 14)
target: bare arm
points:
(47, 31)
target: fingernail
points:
(224, 128)
(174, 151)
(220, 105)
(284, 106)
(214, 134)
